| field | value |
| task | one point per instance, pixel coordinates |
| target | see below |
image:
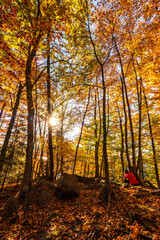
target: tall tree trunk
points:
(96, 137)
(126, 130)
(10, 127)
(51, 173)
(152, 139)
(29, 87)
(129, 110)
(36, 115)
(57, 155)
(29, 151)
(62, 138)
(107, 131)
(139, 168)
(75, 159)
(105, 157)
(106, 190)
(122, 138)
(42, 137)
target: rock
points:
(44, 197)
(23, 192)
(92, 186)
(44, 184)
(104, 192)
(67, 186)
(30, 198)
(11, 206)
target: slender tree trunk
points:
(36, 115)
(105, 157)
(51, 172)
(10, 127)
(107, 131)
(100, 130)
(126, 130)
(42, 137)
(62, 139)
(75, 159)
(152, 139)
(9, 163)
(57, 156)
(106, 190)
(140, 160)
(129, 110)
(29, 150)
(122, 138)
(96, 137)
(131, 128)
(139, 168)
(29, 87)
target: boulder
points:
(10, 207)
(44, 197)
(43, 185)
(67, 186)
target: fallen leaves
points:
(83, 218)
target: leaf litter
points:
(128, 216)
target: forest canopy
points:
(87, 65)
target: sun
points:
(53, 121)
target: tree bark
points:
(96, 137)
(42, 137)
(10, 127)
(32, 49)
(105, 157)
(106, 191)
(139, 167)
(152, 139)
(126, 130)
(79, 140)
(30, 118)
(51, 172)
(122, 138)
(129, 110)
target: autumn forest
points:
(80, 95)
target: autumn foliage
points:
(79, 93)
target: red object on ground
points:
(131, 178)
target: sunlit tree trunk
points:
(139, 96)
(30, 118)
(10, 127)
(126, 130)
(106, 189)
(42, 137)
(122, 138)
(57, 154)
(36, 115)
(96, 136)
(51, 164)
(152, 139)
(105, 157)
(32, 49)
(79, 140)
(129, 110)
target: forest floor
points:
(133, 213)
